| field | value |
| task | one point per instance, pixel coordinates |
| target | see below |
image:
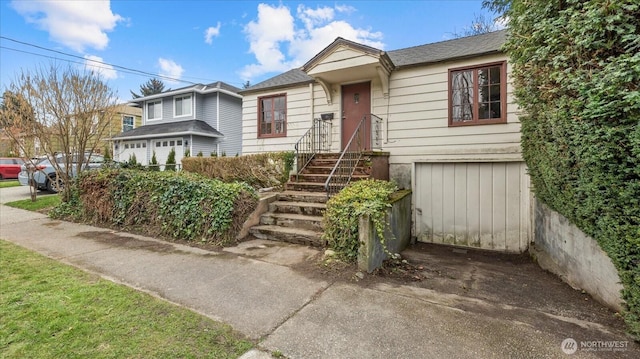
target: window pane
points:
(494, 74)
(157, 144)
(462, 95)
(164, 143)
(178, 107)
(179, 142)
(172, 143)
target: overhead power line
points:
(105, 65)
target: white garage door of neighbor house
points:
(137, 148)
(482, 205)
(164, 146)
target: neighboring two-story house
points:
(193, 119)
(443, 112)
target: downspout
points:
(218, 118)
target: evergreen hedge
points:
(576, 71)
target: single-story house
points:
(442, 111)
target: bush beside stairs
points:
(296, 215)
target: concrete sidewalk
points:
(257, 289)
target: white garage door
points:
(137, 148)
(483, 205)
(164, 146)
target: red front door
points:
(356, 105)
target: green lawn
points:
(5, 184)
(41, 203)
(52, 310)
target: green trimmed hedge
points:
(576, 71)
(262, 170)
(167, 204)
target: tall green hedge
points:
(167, 204)
(576, 70)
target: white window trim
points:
(133, 123)
(146, 110)
(183, 97)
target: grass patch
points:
(51, 310)
(7, 184)
(42, 203)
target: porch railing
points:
(316, 140)
(370, 125)
(348, 161)
(376, 132)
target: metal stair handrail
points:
(317, 139)
(348, 161)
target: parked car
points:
(10, 167)
(45, 176)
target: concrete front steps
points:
(295, 217)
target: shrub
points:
(171, 160)
(168, 204)
(153, 165)
(341, 218)
(259, 170)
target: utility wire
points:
(111, 66)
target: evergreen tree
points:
(153, 166)
(151, 87)
(171, 161)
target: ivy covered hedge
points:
(262, 170)
(167, 204)
(343, 211)
(576, 70)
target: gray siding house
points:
(198, 118)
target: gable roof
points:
(191, 127)
(291, 77)
(217, 86)
(463, 47)
(451, 49)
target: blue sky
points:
(200, 41)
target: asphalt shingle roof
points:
(291, 77)
(195, 127)
(451, 49)
(411, 56)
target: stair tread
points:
(300, 204)
(302, 193)
(288, 230)
(294, 216)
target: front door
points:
(356, 105)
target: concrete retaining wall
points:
(398, 235)
(561, 248)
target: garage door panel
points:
(473, 203)
(460, 204)
(481, 205)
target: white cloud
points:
(97, 65)
(501, 22)
(281, 42)
(75, 24)
(211, 32)
(169, 68)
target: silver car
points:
(45, 176)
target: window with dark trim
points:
(478, 95)
(272, 116)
